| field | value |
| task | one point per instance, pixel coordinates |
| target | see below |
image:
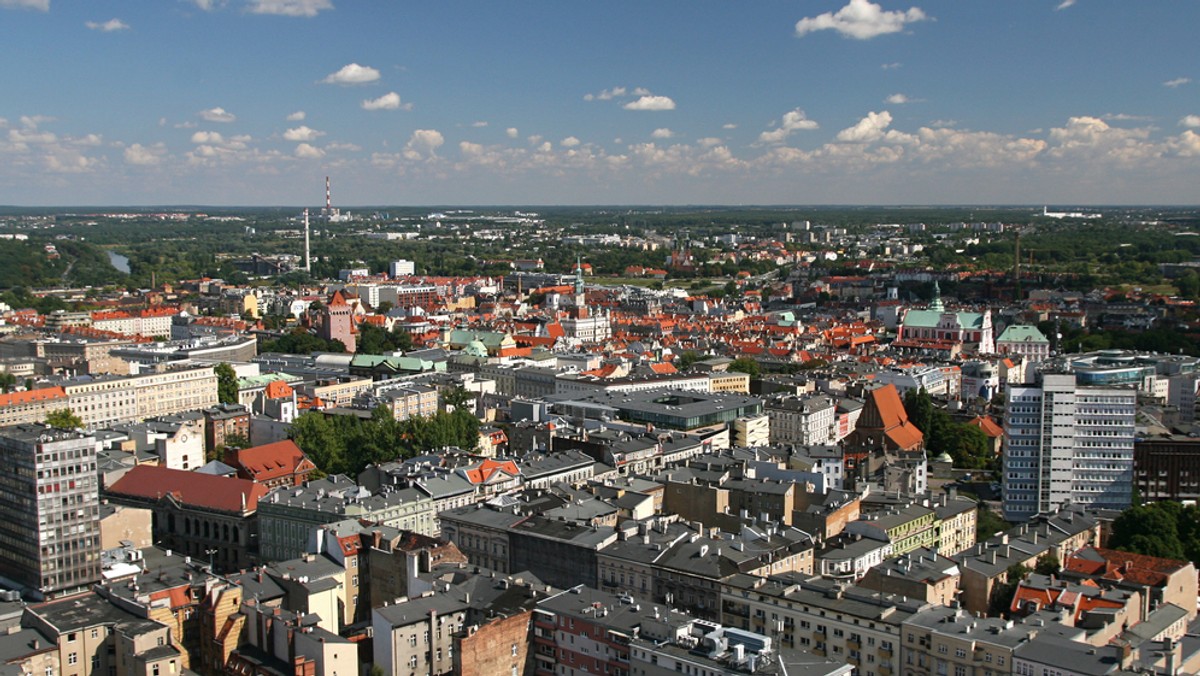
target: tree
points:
(988, 523)
(686, 359)
(7, 382)
(64, 418)
(746, 365)
(1154, 530)
(456, 397)
(1047, 564)
(227, 384)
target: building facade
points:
(1067, 443)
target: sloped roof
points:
(224, 494)
(988, 426)
(271, 461)
(1022, 333)
(29, 396)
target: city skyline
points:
(254, 102)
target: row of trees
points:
(1167, 529)
(344, 444)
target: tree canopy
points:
(64, 418)
(967, 445)
(227, 384)
(1166, 529)
(746, 365)
(342, 444)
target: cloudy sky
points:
(253, 102)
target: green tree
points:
(456, 397)
(988, 523)
(1047, 564)
(686, 359)
(7, 382)
(746, 365)
(1154, 530)
(227, 384)
(64, 418)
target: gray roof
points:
(1077, 657)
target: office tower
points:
(1067, 443)
(49, 495)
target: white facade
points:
(809, 421)
(1067, 443)
(401, 268)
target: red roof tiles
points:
(206, 491)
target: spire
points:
(578, 275)
(936, 304)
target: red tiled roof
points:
(43, 394)
(489, 468)
(271, 461)
(277, 389)
(988, 426)
(208, 491)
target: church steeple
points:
(936, 304)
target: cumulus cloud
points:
(897, 99)
(512, 132)
(211, 137)
(217, 115)
(569, 142)
(309, 152)
(145, 156)
(1092, 140)
(1177, 82)
(1064, 4)
(605, 94)
(423, 144)
(793, 120)
(389, 101)
(651, 102)
(208, 5)
(109, 26)
(352, 74)
(860, 19)
(662, 132)
(1192, 121)
(868, 129)
(296, 116)
(303, 8)
(41, 5)
(302, 133)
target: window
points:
(412, 662)
(72, 658)
(95, 633)
(514, 650)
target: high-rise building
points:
(50, 498)
(1067, 443)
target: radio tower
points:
(307, 253)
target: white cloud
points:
(605, 94)
(30, 135)
(217, 115)
(347, 147)
(860, 19)
(145, 156)
(1177, 82)
(708, 142)
(297, 116)
(868, 129)
(41, 5)
(305, 8)
(1093, 141)
(208, 5)
(1192, 121)
(662, 132)
(729, 125)
(389, 101)
(512, 132)
(1064, 4)
(302, 133)
(352, 74)
(423, 144)
(651, 102)
(208, 137)
(569, 142)
(891, 66)
(897, 99)
(107, 26)
(479, 124)
(309, 152)
(793, 120)
(1124, 117)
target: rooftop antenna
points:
(307, 252)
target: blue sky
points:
(253, 102)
